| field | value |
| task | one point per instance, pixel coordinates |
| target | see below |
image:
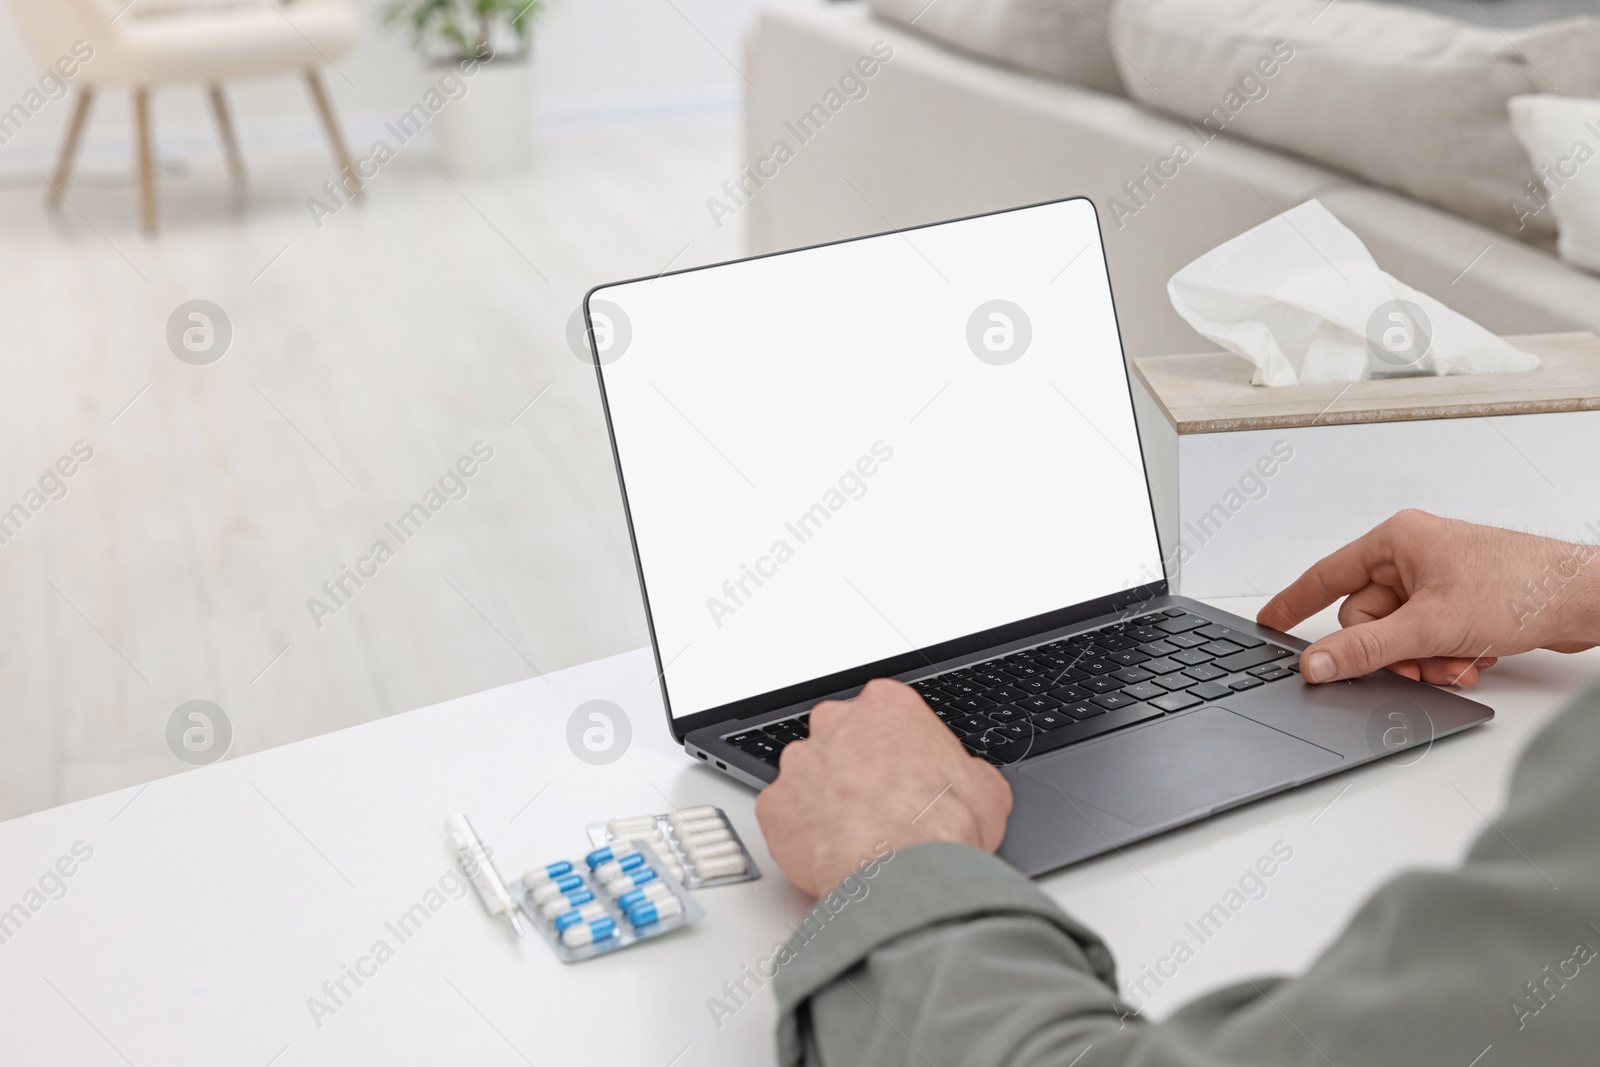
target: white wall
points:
(597, 61)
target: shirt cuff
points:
(903, 893)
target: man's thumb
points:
(1364, 648)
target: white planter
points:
(489, 130)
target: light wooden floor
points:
(367, 357)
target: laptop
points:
(914, 455)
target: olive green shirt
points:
(953, 958)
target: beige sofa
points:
(940, 134)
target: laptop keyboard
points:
(1058, 694)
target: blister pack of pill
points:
(615, 898)
(699, 844)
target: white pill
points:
(719, 866)
(658, 846)
(684, 837)
(673, 869)
(695, 814)
(634, 822)
(652, 834)
(698, 838)
(681, 826)
(711, 852)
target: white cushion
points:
(1064, 39)
(1409, 100)
(1562, 137)
(225, 44)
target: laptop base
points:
(1122, 783)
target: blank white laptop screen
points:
(846, 453)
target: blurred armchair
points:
(140, 44)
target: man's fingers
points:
(826, 716)
(1408, 668)
(1452, 670)
(1436, 674)
(793, 754)
(1372, 601)
(1346, 571)
(1444, 670)
(1364, 648)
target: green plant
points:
(466, 28)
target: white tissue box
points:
(1253, 484)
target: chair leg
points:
(147, 170)
(230, 143)
(69, 148)
(340, 152)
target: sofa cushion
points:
(1064, 39)
(948, 136)
(1403, 98)
(1562, 136)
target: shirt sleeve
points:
(947, 956)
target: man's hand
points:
(1440, 599)
(878, 768)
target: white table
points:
(217, 902)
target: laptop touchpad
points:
(1187, 765)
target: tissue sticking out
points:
(1300, 297)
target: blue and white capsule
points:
(548, 873)
(581, 914)
(632, 880)
(589, 933)
(644, 894)
(565, 902)
(556, 886)
(653, 911)
(611, 869)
